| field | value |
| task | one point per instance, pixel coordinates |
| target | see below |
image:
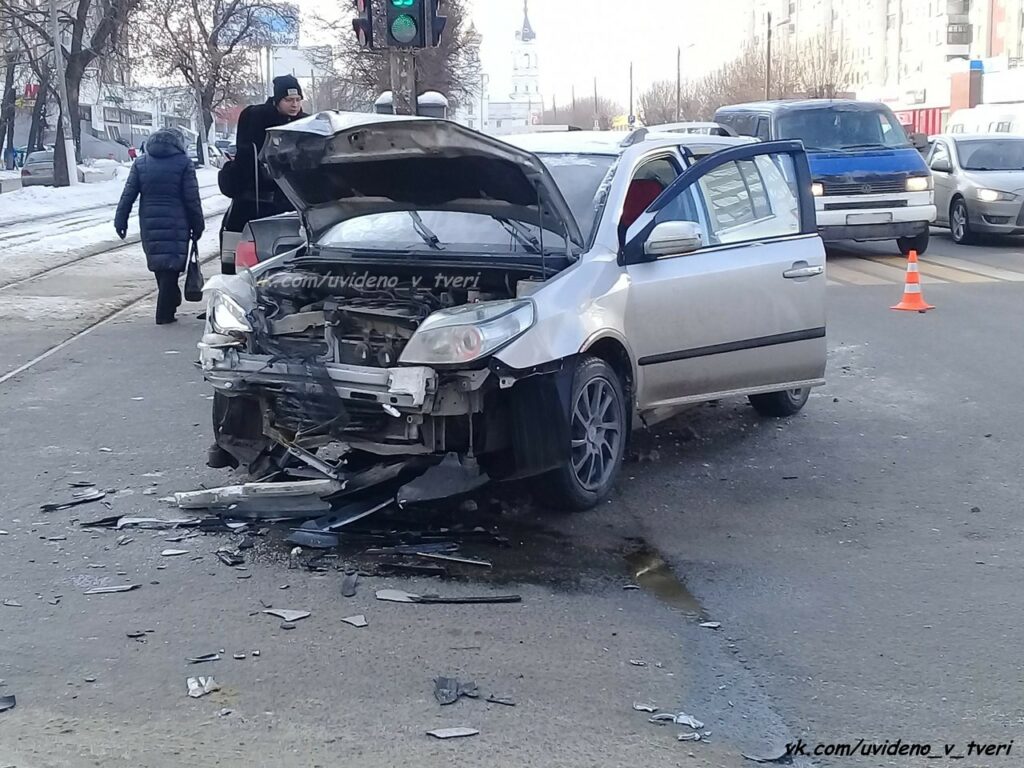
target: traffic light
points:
(363, 23)
(437, 23)
(406, 23)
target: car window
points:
(762, 128)
(832, 128)
(663, 170)
(939, 153)
(40, 157)
(751, 200)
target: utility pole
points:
(632, 116)
(403, 82)
(62, 86)
(679, 83)
(597, 123)
(768, 62)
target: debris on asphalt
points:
(453, 733)
(156, 523)
(287, 625)
(641, 707)
(255, 653)
(293, 558)
(414, 549)
(229, 556)
(348, 585)
(224, 712)
(203, 659)
(630, 586)
(454, 559)
(448, 690)
(775, 754)
(295, 499)
(12, 603)
(111, 590)
(450, 478)
(346, 515)
(82, 484)
(503, 700)
(680, 718)
(287, 615)
(173, 552)
(80, 497)
(355, 621)
(238, 656)
(710, 624)
(200, 686)
(313, 539)
(413, 568)
(638, 662)
(136, 636)
(401, 596)
(123, 539)
(7, 702)
(692, 736)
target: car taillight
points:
(26, 172)
(245, 255)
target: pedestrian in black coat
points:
(170, 214)
(256, 195)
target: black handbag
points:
(193, 275)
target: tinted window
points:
(991, 155)
(762, 128)
(830, 128)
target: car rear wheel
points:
(781, 404)
(960, 223)
(597, 433)
(918, 243)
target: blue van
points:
(870, 182)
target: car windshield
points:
(578, 177)
(40, 157)
(991, 154)
(831, 128)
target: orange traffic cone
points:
(913, 300)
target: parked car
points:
(460, 301)
(870, 182)
(38, 169)
(713, 129)
(979, 184)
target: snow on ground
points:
(15, 174)
(32, 203)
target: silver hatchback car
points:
(506, 311)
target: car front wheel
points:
(597, 433)
(960, 223)
(781, 404)
(918, 243)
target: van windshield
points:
(831, 128)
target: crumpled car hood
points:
(336, 166)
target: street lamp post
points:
(62, 87)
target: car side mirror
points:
(674, 238)
(942, 166)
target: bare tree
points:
(824, 68)
(658, 103)
(451, 68)
(582, 113)
(208, 44)
(93, 30)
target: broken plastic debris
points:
(454, 559)
(173, 552)
(447, 690)
(630, 586)
(111, 590)
(204, 658)
(313, 539)
(401, 596)
(78, 498)
(238, 656)
(347, 515)
(503, 700)
(355, 621)
(229, 557)
(289, 495)
(680, 718)
(348, 585)
(452, 733)
(200, 686)
(136, 635)
(692, 736)
(123, 539)
(710, 624)
(12, 603)
(7, 702)
(775, 754)
(638, 662)
(641, 707)
(287, 615)
(414, 549)
(287, 625)
(156, 523)
(453, 476)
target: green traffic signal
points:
(403, 3)
(403, 28)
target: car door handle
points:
(805, 271)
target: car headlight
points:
(992, 195)
(467, 333)
(817, 189)
(919, 183)
(227, 316)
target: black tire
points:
(595, 451)
(780, 404)
(917, 243)
(960, 222)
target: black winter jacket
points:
(249, 174)
(171, 211)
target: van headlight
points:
(227, 316)
(992, 196)
(919, 183)
(817, 189)
(467, 333)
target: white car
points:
(462, 304)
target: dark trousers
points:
(169, 297)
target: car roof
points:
(614, 143)
(45, 154)
(792, 105)
(976, 136)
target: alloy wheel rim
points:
(959, 221)
(596, 434)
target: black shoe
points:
(218, 458)
(166, 321)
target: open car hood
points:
(336, 166)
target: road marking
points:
(879, 273)
(996, 273)
(936, 272)
(847, 276)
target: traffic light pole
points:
(403, 81)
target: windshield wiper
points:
(424, 231)
(521, 235)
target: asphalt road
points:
(862, 559)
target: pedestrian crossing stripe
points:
(935, 270)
